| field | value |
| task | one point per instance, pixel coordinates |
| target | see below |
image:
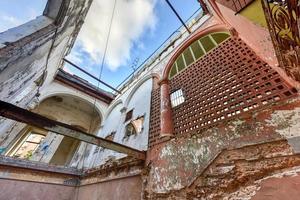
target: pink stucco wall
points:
(24, 190)
(126, 188)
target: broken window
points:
(28, 145)
(177, 98)
(128, 115)
(134, 127)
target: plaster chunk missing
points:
(183, 160)
(287, 124)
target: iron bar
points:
(178, 16)
(94, 77)
(16, 113)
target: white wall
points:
(138, 99)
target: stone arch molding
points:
(88, 101)
(138, 85)
(111, 108)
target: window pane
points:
(220, 37)
(128, 115)
(180, 63)
(197, 50)
(138, 124)
(130, 130)
(173, 71)
(188, 56)
(207, 43)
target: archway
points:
(57, 149)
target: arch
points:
(72, 100)
(88, 101)
(110, 109)
(187, 43)
(136, 87)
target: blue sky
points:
(139, 27)
(17, 12)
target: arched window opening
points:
(49, 147)
(197, 50)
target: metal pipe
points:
(173, 9)
(94, 77)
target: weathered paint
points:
(177, 163)
(36, 120)
(125, 188)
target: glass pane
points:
(188, 56)
(197, 50)
(220, 37)
(207, 43)
(180, 63)
(173, 71)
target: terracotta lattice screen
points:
(228, 81)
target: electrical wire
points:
(99, 77)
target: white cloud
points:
(8, 21)
(75, 56)
(132, 19)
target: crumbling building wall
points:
(31, 54)
(243, 142)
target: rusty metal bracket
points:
(16, 113)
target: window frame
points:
(22, 139)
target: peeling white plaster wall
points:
(16, 33)
(140, 102)
(287, 124)
(24, 62)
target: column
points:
(166, 121)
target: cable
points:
(100, 74)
